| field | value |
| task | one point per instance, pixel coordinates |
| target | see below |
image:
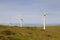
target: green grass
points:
(29, 33)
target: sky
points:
(30, 11)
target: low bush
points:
(7, 32)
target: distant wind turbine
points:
(21, 21)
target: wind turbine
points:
(44, 20)
(21, 22)
(20, 19)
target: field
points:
(29, 33)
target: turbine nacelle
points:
(43, 14)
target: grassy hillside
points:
(32, 33)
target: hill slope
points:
(32, 33)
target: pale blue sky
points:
(30, 10)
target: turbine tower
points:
(44, 20)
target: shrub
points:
(7, 32)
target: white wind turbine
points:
(20, 19)
(44, 20)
